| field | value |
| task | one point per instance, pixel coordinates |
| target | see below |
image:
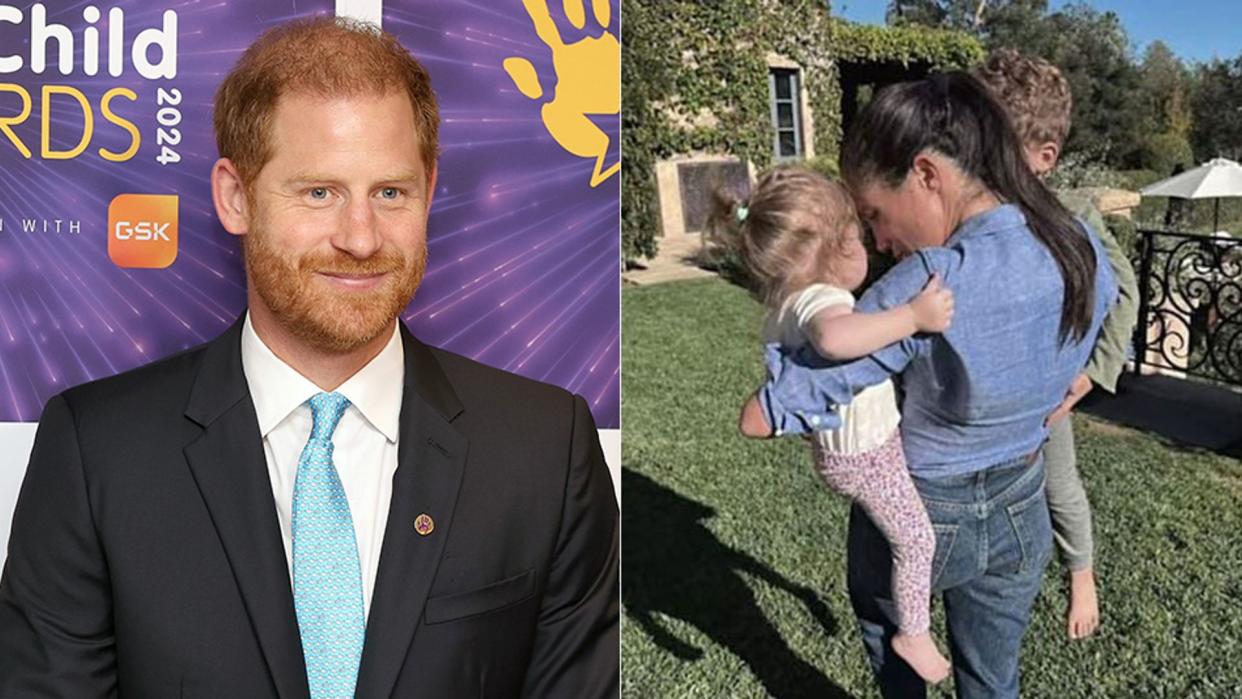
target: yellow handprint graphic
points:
(588, 81)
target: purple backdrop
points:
(523, 271)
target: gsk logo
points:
(142, 230)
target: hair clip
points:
(742, 213)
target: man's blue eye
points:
(319, 193)
(390, 192)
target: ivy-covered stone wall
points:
(695, 80)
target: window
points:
(786, 113)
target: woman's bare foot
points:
(1084, 609)
(921, 653)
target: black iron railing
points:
(1190, 309)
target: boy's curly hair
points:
(1034, 93)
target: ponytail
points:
(954, 114)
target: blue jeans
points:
(993, 541)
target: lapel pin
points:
(424, 525)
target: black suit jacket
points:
(146, 560)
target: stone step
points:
(673, 262)
(646, 277)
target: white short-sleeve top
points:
(871, 418)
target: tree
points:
(1093, 51)
(978, 17)
(974, 16)
(1090, 47)
(1166, 83)
(929, 13)
(1217, 110)
(1018, 24)
(1165, 107)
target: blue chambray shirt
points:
(978, 394)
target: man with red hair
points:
(316, 504)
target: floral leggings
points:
(879, 481)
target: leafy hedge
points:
(939, 48)
(695, 80)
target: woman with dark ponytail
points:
(939, 177)
(982, 143)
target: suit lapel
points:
(229, 466)
(430, 462)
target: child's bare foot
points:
(1084, 611)
(921, 653)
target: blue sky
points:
(1196, 30)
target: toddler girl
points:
(798, 238)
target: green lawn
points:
(734, 556)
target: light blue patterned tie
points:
(327, 578)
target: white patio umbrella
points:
(1214, 179)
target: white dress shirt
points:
(364, 443)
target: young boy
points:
(1037, 98)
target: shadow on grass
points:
(1188, 412)
(675, 566)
